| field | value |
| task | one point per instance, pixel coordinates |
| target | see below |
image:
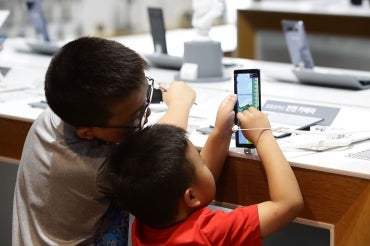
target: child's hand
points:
(180, 93)
(225, 116)
(253, 118)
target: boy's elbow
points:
(297, 206)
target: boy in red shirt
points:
(161, 179)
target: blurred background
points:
(68, 19)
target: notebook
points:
(43, 43)
(304, 67)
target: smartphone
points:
(297, 43)
(247, 87)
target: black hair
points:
(87, 75)
(151, 173)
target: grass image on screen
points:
(247, 91)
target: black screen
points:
(158, 30)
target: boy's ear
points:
(191, 199)
(85, 133)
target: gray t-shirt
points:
(62, 190)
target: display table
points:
(335, 187)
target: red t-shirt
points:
(205, 227)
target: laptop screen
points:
(158, 30)
(296, 40)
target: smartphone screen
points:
(247, 87)
(297, 43)
(158, 30)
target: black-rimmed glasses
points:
(144, 112)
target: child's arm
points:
(179, 98)
(216, 148)
(286, 199)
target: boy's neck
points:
(184, 212)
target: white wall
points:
(68, 18)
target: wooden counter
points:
(338, 200)
(12, 136)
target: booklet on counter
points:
(297, 116)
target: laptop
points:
(43, 44)
(304, 67)
(160, 58)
